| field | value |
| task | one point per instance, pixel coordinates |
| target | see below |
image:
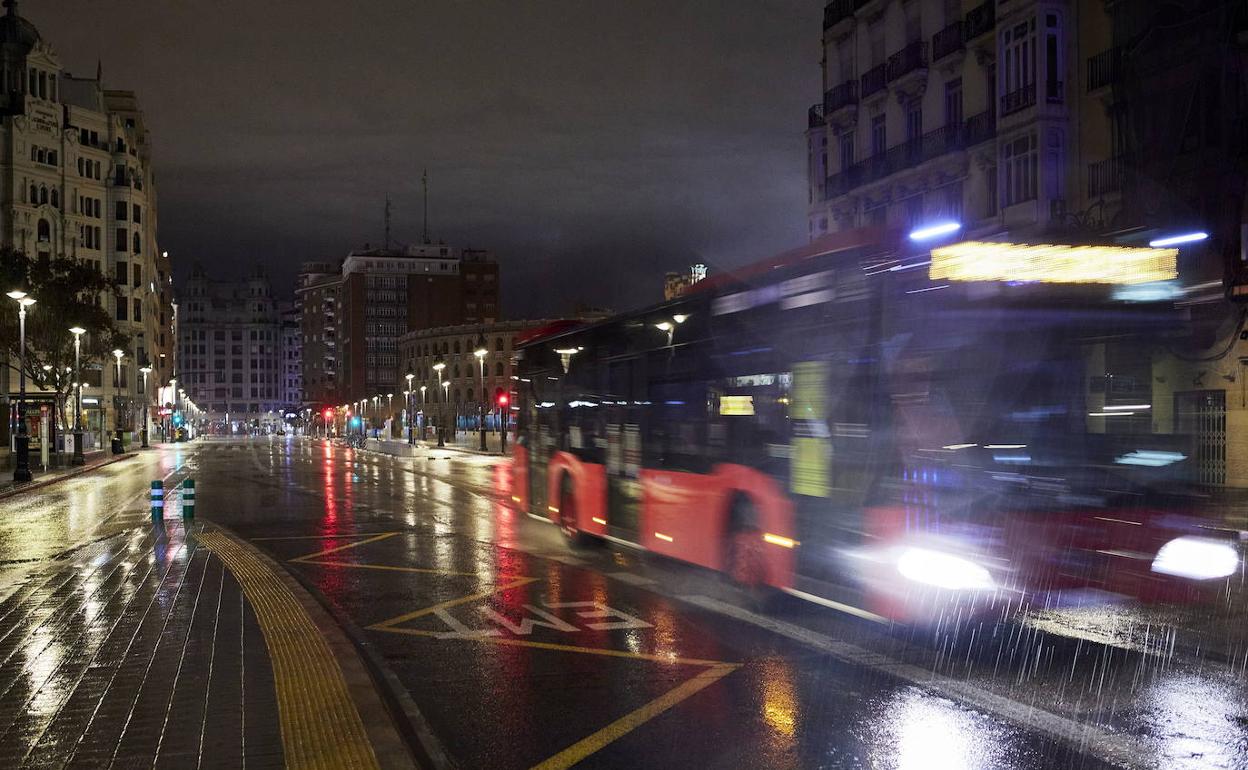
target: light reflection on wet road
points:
(518, 650)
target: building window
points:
(138, 213)
(845, 147)
(123, 239)
(914, 118)
(138, 244)
(121, 211)
(121, 309)
(55, 197)
(953, 103)
(1019, 160)
(879, 135)
(44, 231)
(138, 311)
(498, 369)
(122, 273)
(1019, 56)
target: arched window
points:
(456, 371)
(56, 199)
(469, 396)
(52, 157)
(138, 247)
(457, 350)
(34, 195)
(457, 395)
(498, 344)
(80, 167)
(498, 369)
(43, 194)
(45, 231)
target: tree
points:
(67, 293)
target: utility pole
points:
(424, 182)
(387, 222)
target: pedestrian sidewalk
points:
(40, 478)
(180, 646)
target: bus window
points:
(749, 420)
(675, 431)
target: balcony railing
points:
(907, 60)
(1019, 99)
(912, 152)
(1105, 69)
(981, 19)
(814, 116)
(980, 128)
(947, 41)
(838, 10)
(840, 96)
(874, 80)
(1104, 177)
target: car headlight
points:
(943, 570)
(1196, 558)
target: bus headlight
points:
(1196, 558)
(943, 570)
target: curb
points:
(33, 485)
(373, 697)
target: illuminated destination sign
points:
(1046, 263)
(736, 406)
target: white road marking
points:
(1118, 749)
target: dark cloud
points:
(592, 145)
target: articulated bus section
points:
(870, 425)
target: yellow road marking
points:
(385, 625)
(314, 537)
(321, 726)
(559, 647)
(631, 721)
(356, 544)
(358, 565)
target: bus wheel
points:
(568, 514)
(743, 552)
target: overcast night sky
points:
(592, 145)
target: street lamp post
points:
(77, 331)
(118, 354)
(441, 429)
(480, 352)
(407, 403)
(146, 370)
(21, 466)
(422, 412)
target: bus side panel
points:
(520, 477)
(589, 485)
(683, 516)
(775, 516)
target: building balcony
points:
(948, 41)
(814, 116)
(837, 11)
(909, 59)
(981, 20)
(911, 153)
(874, 80)
(844, 95)
(1105, 177)
(1105, 69)
(980, 128)
(1018, 99)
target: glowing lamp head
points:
(77, 331)
(665, 326)
(16, 294)
(934, 230)
(118, 353)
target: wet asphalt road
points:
(513, 650)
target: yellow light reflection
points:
(779, 698)
(1049, 263)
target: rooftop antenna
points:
(387, 222)
(424, 181)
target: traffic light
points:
(501, 398)
(329, 414)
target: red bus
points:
(883, 428)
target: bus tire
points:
(568, 514)
(744, 566)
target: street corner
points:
(329, 705)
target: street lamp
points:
(173, 393)
(424, 417)
(441, 430)
(482, 349)
(118, 353)
(146, 370)
(21, 467)
(77, 331)
(407, 403)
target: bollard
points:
(188, 499)
(158, 499)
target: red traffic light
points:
(329, 413)
(503, 399)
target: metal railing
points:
(1104, 69)
(910, 58)
(874, 80)
(980, 128)
(981, 19)
(1019, 99)
(840, 96)
(1105, 176)
(837, 11)
(814, 116)
(947, 41)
